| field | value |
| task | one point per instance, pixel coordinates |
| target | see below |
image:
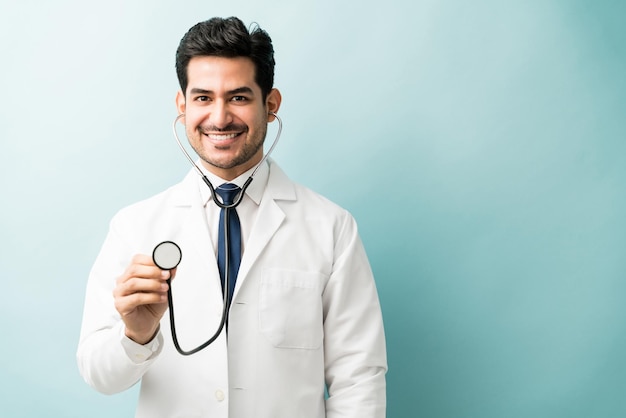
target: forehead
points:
(220, 73)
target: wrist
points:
(142, 338)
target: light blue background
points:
(480, 145)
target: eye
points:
(202, 99)
(239, 99)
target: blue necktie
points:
(228, 192)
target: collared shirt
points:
(247, 210)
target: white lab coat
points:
(305, 313)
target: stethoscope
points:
(167, 255)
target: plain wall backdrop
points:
(480, 146)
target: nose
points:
(220, 115)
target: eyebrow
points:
(239, 90)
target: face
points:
(225, 114)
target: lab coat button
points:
(219, 395)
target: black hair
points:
(228, 38)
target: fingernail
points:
(165, 274)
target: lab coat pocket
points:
(290, 308)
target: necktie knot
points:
(228, 192)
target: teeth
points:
(221, 137)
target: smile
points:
(222, 137)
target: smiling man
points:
(303, 316)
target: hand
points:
(141, 297)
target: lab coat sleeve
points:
(354, 341)
(108, 360)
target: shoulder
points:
(294, 198)
(147, 211)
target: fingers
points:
(143, 283)
(140, 297)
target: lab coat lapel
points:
(194, 231)
(269, 219)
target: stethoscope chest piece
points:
(167, 255)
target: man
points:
(304, 316)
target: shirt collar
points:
(254, 190)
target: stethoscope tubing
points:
(226, 223)
(227, 298)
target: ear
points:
(273, 103)
(180, 104)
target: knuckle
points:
(131, 271)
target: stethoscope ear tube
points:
(206, 180)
